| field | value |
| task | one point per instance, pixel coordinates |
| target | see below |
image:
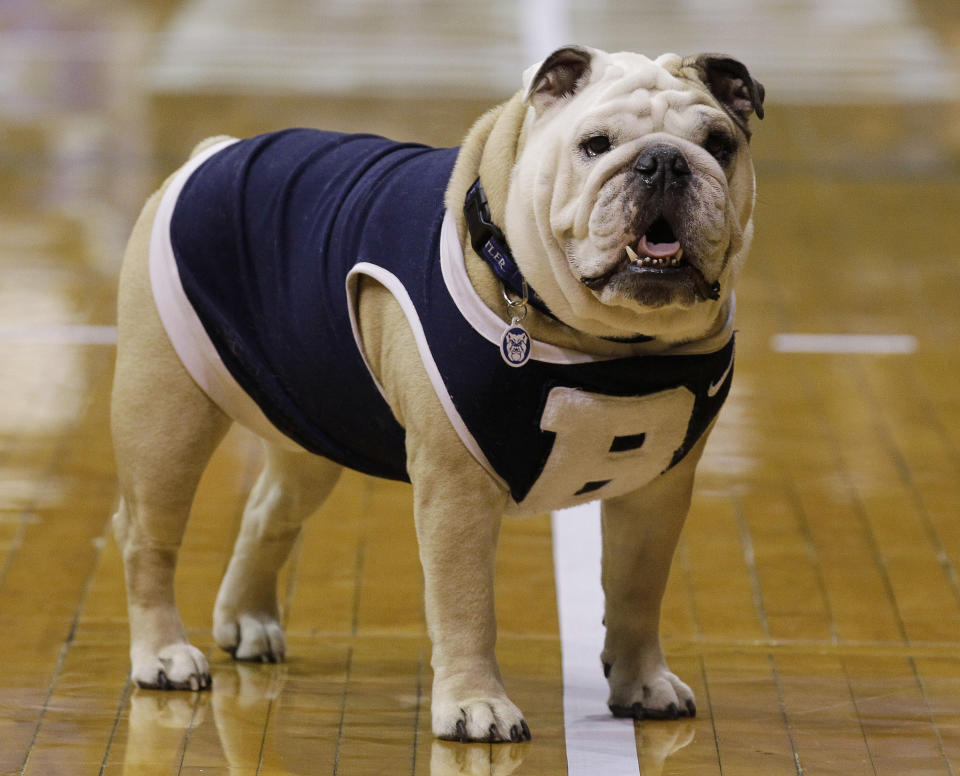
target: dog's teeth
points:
(653, 261)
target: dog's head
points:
(634, 177)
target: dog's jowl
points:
(541, 317)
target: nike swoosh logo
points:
(714, 388)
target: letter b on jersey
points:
(608, 445)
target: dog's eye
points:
(721, 147)
(596, 145)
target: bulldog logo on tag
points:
(515, 345)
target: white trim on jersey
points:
(395, 286)
(184, 328)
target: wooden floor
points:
(814, 605)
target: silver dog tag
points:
(515, 343)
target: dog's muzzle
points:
(655, 262)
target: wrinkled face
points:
(641, 189)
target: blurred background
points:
(96, 98)
(829, 496)
(99, 99)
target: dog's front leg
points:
(640, 534)
(458, 511)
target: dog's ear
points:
(557, 76)
(731, 83)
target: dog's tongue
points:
(659, 250)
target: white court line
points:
(546, 26)
(597, 743)
(58, 335)
(876, 344)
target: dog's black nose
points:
(662, 165)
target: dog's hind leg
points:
(164, 432)
(246, 618)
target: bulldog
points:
(539, 318)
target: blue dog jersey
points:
(264, 234)
(266, 239)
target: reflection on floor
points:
(815, 603)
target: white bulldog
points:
(539, 318)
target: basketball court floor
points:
(814, 603)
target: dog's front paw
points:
(658, 695)
(488, 717)
(480, 720)
(252, 637)
(173, 667)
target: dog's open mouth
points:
(658, 248)
(656, 259)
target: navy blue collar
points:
(490, 244)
